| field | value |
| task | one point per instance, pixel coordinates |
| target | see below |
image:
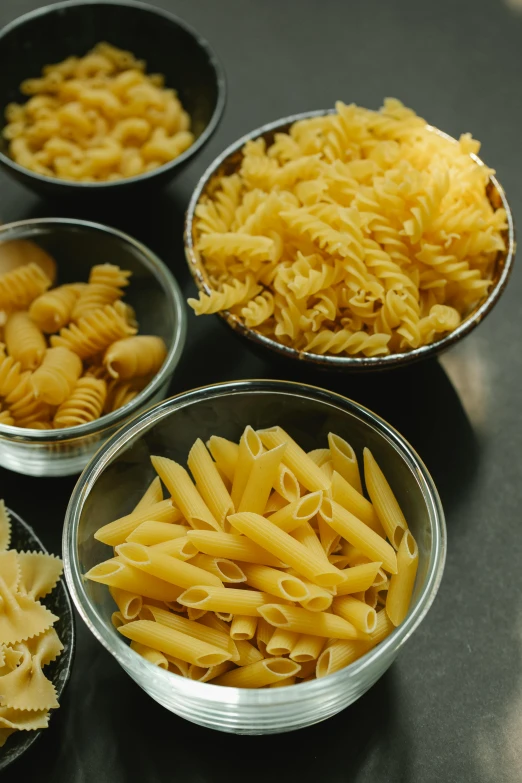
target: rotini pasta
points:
(19, 287)
(95, 119)
(349, 233)
(84, 404)
(94, 332)
(54, 380)
(53, 310)
(105, 286)
(135, 356)
(24, 340)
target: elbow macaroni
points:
(97, 118)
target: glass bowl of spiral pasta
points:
(350, 239)
(104, 97)
(266, 590)
(93, 326)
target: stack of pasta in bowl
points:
(268, 567)
(70, 354)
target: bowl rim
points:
(217, 114)
(172, 292)
(328, 360)
(262, 697)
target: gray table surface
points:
(450, 708)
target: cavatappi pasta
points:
(97, 118)
(234, 593)
(71, 353)
(359, 233)
(28, 641)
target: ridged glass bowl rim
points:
(19, 21)
(27, 229)
(328, 360)
(273, 696)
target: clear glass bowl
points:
(76, 246)
(113, 482)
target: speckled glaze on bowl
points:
(112, 483)
(24, 539)
(54, 32)
(229, 162)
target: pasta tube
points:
(286, 484)
(206, 634)
(248, 654)
(174, 643)
(401, 584)
(305, 470)
(250, 447)
(151, 532)
(297, 513)
(233, 546)
(129, 604)
(263, 473)
(225, 599)
(307, 648)
(348, 497)
(257, 675)
(358, 578)
(226, 570)
(153, 494)
(384, 501)
(279, 583)
(165, 567)
(184, 493)
(116, 532)
(356, 612)
(117, 573)
(282, 642)
(225, 454)
(243, 627)
(209, 483)
(293, 618)
(344, 460)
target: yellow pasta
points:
(225, 454)
(164, 566)
(356, 612)
(258, 675)
(282, 642)
(19, 252)
(250, 447)
(295, 514)
(355, 233)
(275, 582)
(150, 532)
(209, 482)
(171, 642)
(129, 604)
(135, 356)
(384, 501)
(286, 484)
(293, 618)
(152, 656)
(84, 404)
(97, 118)
(401, 584)
(307, 648)
(261, 477)
(56, 377)
(53, 310)
(213, 636)
(226, 570)
(231, 546)
(24, 340)
(348, 497)
(344, 460)
(152, 495)
(116, 532)
(358, 578)
(243, 627)
(184, 493)
(306, 471)
(21, 286)
(117, 573)
(228, 600)
(95, 331)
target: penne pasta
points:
(248, 654)
(226, 570)
(298, 512)
(177, 666)
(116, 573)
(209, 483)
(283, 546)
(370, 597)
(250, 447)
(358, 578)
(117, 619)
(356, 612)
(206, 674)
(384, 501)
(265, 631)
(318, 600)
(307, 649)
(116, 532)
(258, 675)
(282, 642)
(305, 470)
(165, 567)
(153, 494)
(401, 584)
(180, 548)
(152, 656)
(348, 497)
(279, 583)
(185, 494)
(233, 546)
(320, 456)
(327, 536)
(307, 537)
(243, 627)
(174, 643)
(307, 670)
(212, 621)
(275, 503)
(212, 636)
(129, 604)
(283, 683)
(293, 618)
(225, 454)
(226, 599)
(286, 484)
(358, 534)
(261, 477)
(339, 655)
(344, 461)
(150, 533)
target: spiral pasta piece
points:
(348, 342)
(105, 286)
(10, 374)
(119, 393)
(54, 380)
(53, 310)
(135, 356)
(24, 406)
(84, 404)
(6, 418)
(94, 333)
(24, 340)
(19, 287)
(231, 295)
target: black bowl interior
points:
(23, 538)
(55, 32)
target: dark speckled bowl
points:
(54, 32)
(24, 538)
(229, 162)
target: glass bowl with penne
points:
(349, 239)
(255, 553)
(92, 326)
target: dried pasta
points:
(97, 118)
(356, 233)
(52, 370)
(28, 641)
(253, 598)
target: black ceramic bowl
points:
(23, 538)
(54, 32)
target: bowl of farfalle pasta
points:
(254, 553)
(350, 239)
(92, 328)
(101, 97)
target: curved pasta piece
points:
(21, 617)
(53, 310)
(95, 332)
(5, 527)
(10, 374)
(85, 403)
(24, 340)
(20, 252)
(23, 720)
(39, 573)
(54, 380)
(135, 356)
(27, 687)
(19, 287)
(10, 569)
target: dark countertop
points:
(450, 708)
